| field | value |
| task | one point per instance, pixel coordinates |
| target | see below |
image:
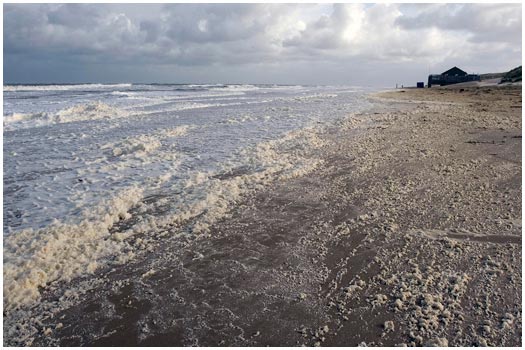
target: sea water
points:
(88, 167)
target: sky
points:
(328, 44)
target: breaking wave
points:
(63, 87)
(82, 112)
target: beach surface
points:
(407, 233)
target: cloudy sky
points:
(360, 44)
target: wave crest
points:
(62, 87)
(90, 111)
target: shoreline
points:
(410, 233)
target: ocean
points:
(89, 168)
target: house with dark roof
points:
(452, 76)
(455, 72)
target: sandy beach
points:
(408, 233)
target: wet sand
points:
(409, 233)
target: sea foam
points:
(176, 165)
(62, 251)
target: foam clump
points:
(388, 326)
(62, 251)
(437, 342)
(139, 146)
(142, 145)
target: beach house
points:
(452, 76)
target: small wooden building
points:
(452, 76)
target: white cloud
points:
(230, 35)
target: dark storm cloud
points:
(86, 42)
(74, 16)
